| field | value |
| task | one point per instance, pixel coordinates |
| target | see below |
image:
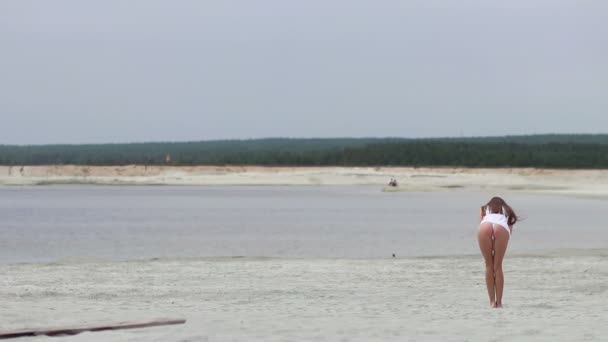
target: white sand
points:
(548, 298)
(593, 183)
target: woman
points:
(496, 225)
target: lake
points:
(80, 222)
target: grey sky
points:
(120, 71)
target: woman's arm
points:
(481, 214)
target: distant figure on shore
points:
(495, 227)
(392, 182)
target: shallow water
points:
(58, 223)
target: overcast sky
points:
(122, 71)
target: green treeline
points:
(552, 155)
(546, 151)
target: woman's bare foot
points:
(497, 305)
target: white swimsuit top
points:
(497, 218)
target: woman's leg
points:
(486, 245)
(501, 240)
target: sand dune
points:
(568, 182)
(547, 298)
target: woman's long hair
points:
(496, 205)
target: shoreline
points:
(554, 253)
(587, 183)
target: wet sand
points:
(559, 296)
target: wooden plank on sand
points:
(78, 330)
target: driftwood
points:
(78, 330)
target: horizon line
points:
(307, 138)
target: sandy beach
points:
(557, 297)
(591, 183)
(228, 192)
(551, 294)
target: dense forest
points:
(552, 151)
